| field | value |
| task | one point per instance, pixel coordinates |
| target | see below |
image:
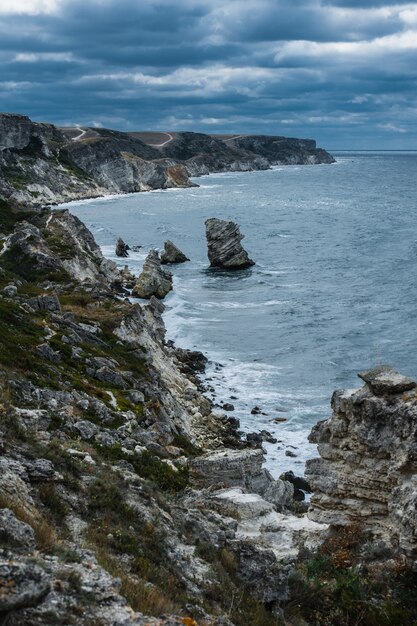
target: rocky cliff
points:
(367, 473)
(41, 164)
(122, 493)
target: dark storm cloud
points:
(339, 71)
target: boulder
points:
(22, 584)
(243, 469)
(15, 534)
(172, 254)
(153, 281)
(122, 248)
(224, 247)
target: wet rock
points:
(259, 438)
(300, 484)
(22, 584)
(256, 410)
(224, 247)
(121, 248)
(227, 406)
(290, 453)
(15, 534)
(172, 254)
(153, 281)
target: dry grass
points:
(45, 534)
(141, 596)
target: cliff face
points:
(122, 493)
(367, 472)
(41, 164)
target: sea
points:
(333, 290)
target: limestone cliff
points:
(122, 493)
(367, 472)
(42, 164)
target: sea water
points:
(333, 291)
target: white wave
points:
(240, 305)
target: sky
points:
(343, 72)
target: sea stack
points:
(153, 281)
(172, 254)
(121, 248)
(224, 247)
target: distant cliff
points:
(42, 164)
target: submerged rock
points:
(224, 247)
(153, 281)
(172, 254)
(122, 248)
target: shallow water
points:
(333, 291)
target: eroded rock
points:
(122, 248)
(15, 534)
(153, 281)
(172, 254)
(22, 584)
(367, 470)
(224, 247)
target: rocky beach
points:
(126, 497)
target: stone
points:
(172, 254)
(10, 291)
(135, 396)
(300, 484)
(227, 406)
(22, 584)
(86, 429)
(46, 303)
(242, 469)
(224, 247)
(367, 470)
(153, 281)
(40, 470)
(121, 248)
(15, 534)
(384, 380)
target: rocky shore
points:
(126, 499)
(41, 164)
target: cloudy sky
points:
(341, 71)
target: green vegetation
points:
(338, 587)
(9, 218)
(19, 335)
(116, 529)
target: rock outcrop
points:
(42, 164)
(172, 254)
(224, 248)
(153, 280)
(367, 472)
(122, 249)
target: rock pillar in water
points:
(121, 248)
(153, 281)
(224, 247)
(172, 254)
